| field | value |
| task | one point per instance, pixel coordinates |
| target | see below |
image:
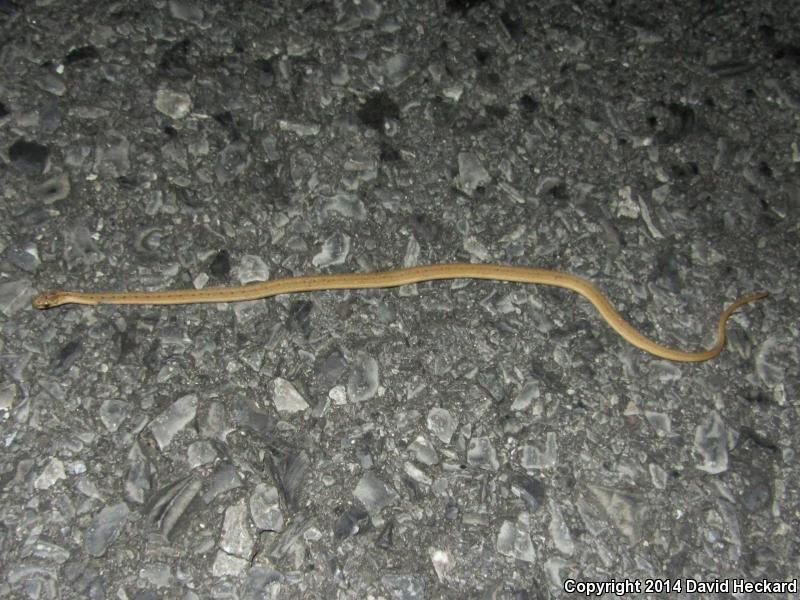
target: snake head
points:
(47, 300)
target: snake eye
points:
(44, 301)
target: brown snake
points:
(386, 279)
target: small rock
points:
(224, 479)
(46, 551)
(559, 532)
(236, 537)
(232, 162)
(14, 295)
(423, 451)
(711, 444)
(8, 393)
(226, 565)
(167, 425)
(173, 104)
(334, 251)
(514, 539)
(286, 398)
(441, 424)
(397, 69)
(112, 156)
(158, 576)
(363, 381)
(534, 458)
(471, 173)
(251, 268)
(345, 205)
(404, 587)
(113, 413)
(265, 508)
(481, 454)
(186, 11)
(349, 523)
(529, 392)
(262, 583)
(372, 493)
(53, 84)
(417, 474)
(200, 453)
(442, 562)
(52, 473)
(105, 528)
(25, 257)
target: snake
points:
(406, 276)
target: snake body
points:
(398, 277)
